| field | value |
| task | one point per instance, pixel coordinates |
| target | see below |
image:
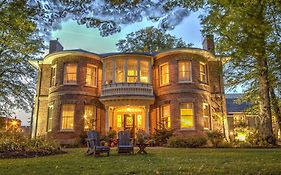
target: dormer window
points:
(70, 73)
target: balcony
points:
(127, 89)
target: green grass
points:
(158, 161)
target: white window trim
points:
(64, 81)
(209, 117)
(193, 118)
(96, 79)
(50, 106)
(206, 73)
(54, 76)
(190, 81)
(67, 130)
(160, 74)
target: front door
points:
(129, 123)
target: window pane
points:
(144, 69)
(108, 72)
(50, 119)
(67, 116)
(53, 76)
(184, 70)
(206, 115)
(70, 71)
(120, 71)
(203, 73)
(91, 75)
(132, 71)
(165, 116)
(164, 74)
(89, 117)
(186, 116)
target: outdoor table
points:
(142, 148)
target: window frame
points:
(137, 72)
(64, 74)
(49, 127)
(162, 118)
(61, 116)
(124, 70)
(96, 75)
(53, 76)
(203, 73)
(148, 68)
(160, 74)
(108, 73)
(94, 124)
(209, 117)
(193, 117)
(190, 70)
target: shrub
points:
(215, 137)
(162, 135)
(187, 142)
(16, 144)
(141, 137)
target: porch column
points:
(147, 119)
(106, 118)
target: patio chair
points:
(93, 143)
(124, 142)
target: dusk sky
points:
(74, 36)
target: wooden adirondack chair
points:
(124, 142)
(93, 143)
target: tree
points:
(19, 42)
(149, 40)
(249, 35)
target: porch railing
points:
(127, 89)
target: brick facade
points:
(174, 93)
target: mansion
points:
(77, 91)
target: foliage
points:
(250, 37)
(141, 137)
(108, 16)
(215, 137)
(112, 134)
(149, 40)
(17, 143)
(187, 142)
(162, 135)
(19, 42)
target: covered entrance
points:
(131, 118)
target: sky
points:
(74, 36)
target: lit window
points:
(164, 74)
(50, 119)
(206, 115)
(186, 116)
(144, 69)
(70, 73)
(139, 121)
(53, 75)
(132, 71)
(67, 116)
(203, 73)
(91, 75)
(184, 68)
(108, 72)
(119, 121)
(120, 71)
(165, 116)
(89, 117)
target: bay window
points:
(164, 74)
(89, 117)
(165, 116)
(186, 116)
(91, 75)
(144, 71)
(70, 73)
(184, 71)
(67, 117)
(132, 72)
(120, 70)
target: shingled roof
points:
(232, 106)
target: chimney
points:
(55, 46)
(208, 43)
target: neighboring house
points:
(78, 91)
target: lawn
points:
(158, 161)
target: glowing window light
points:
(139, 121)
(119, 121)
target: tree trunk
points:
(276, 107)
(265, 127)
